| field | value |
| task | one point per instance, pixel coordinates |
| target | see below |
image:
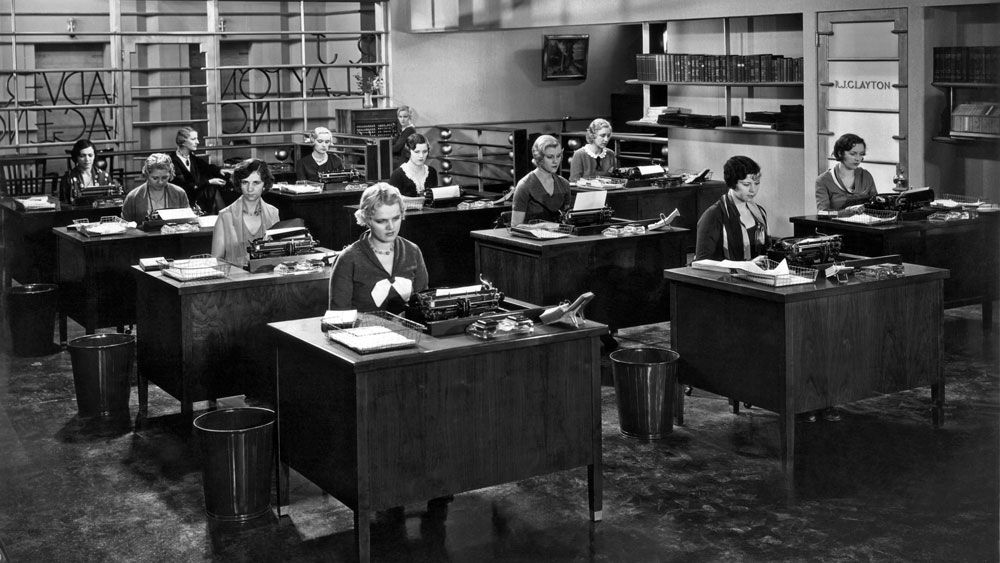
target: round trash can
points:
(237, 452)
(31, 314)
(102, 373)
(645, 391)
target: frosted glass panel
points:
(864, 84)
(876, 129)
(863, 40)
(883, 174)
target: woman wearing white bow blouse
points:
(381, 270)
(594, 158)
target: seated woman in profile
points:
(542, 193)
(735, 227)
(846, 180)
(406, 128)
(594, 158)
(203, 181)
(249, 217)
(83, 174)
(381, 270)
(156, 192)
(320, 160)
(414, 176)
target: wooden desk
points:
(625, 273)
(806, 347)
(29, 247)
(96, 286)
(690, 200)
(452, 415)
(969, 249)
(321, 212)
(207, 339)
(443, 236)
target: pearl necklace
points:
(382, 252)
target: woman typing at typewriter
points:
(203, 181)
(594, 158)
(156, 192)
(84, 174)
(542, 193)
(320, 160)
(381, 270)
(249, 217)
(414, 176)
(846, 181)
(735, 227)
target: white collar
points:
(587, 149)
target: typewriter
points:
(806, 251)
(340, 177)
(647, 175)
(444, 196)
(453, 303)
(97, 196)
(298, 241)
(911, 204)
(585, 220)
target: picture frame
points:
(564, 57)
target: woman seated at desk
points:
(320, 160)
(735, 227)
(203, 182)
(414, 176)
(406, 128)
(542, 193)
(249, 217)
(381, 270)
(156, 192)
(846, 180)
(594, 158)
(83, 174)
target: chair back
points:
(21, 176)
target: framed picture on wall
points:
(564, 57)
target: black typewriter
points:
(96, 195)
(582, 218)
(806, 251)
(340, 177)
(291, 244)
(911, 204)
(442, 198)
(452, 303)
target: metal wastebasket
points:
(31, 314)
(645, 391)
(102, 373)
(237, 452)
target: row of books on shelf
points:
(654, 67)
(790, 118)
(967, 64)
(976, 119)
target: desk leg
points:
(143, 386)
(987, 314)
(63, 329)
(679, 403)
(595, 491)
(788, 450)
(362, 533)
(937, 399)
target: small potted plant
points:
(369, 84)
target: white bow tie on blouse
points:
(403, 286)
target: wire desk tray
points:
(378, 331)
(870, 217)
(796, 275)
(196, 268)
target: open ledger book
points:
(760, 270)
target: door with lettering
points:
(862, 88)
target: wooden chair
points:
(22, 176)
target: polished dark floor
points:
(881, 485)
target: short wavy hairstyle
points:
(244, 169)
(315, 133)
(595, 127)
(541, 143)
(845, 143)
(378, 194)
(182, 135)
(738, 168)
(78, 148)
(157, 161)
(411, 143)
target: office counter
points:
(96, 286)
(207, 339)
(969, 249)
(451, 415)
(29, 247)
(806, 347)
(443, 236)
(625, 273)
